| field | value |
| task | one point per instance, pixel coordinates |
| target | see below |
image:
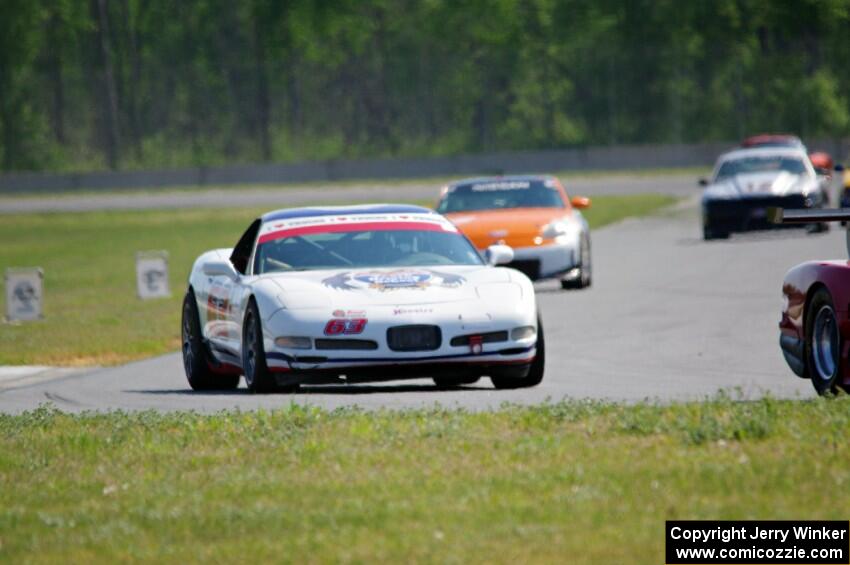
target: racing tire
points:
(535, 373)
(196, 360)
(585, 268)
(257, 375)
(454, 382)
(709, 233)
(823, 343)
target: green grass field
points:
(559, 483)
(92, 315)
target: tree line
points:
(127, 84)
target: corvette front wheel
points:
(535, 374)
(257, 374)
(823, 343)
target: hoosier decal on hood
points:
(393, 280)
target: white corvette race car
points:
(352, 294)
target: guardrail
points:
(610, 158)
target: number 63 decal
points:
(346, 326)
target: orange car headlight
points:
(558, 228)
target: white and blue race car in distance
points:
(354, 294)
(746, 182)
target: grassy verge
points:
(437, 181)
(569, 482)
(92, 315)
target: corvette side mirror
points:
(499, 255)
(703, 182)
(220, 269)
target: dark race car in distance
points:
(745, 182)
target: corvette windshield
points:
(364, 248)
(760, 165)
(499, 194)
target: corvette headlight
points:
(294, 342)
(523, 332)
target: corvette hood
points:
(780, 183)
(403, 286)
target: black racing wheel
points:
(709, 233)
(535, 374)
(454, 382)
(257, 375)
(196, 359)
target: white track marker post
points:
(152, 274)
(24, 294)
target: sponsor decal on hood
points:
(408, 311)
(393, 280)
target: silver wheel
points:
(825, 343)
(586, 266)
(580, 275)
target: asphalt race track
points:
(675, 184)
(669, 317)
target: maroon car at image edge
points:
(815, 323)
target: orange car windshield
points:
(500, 194)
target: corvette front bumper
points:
(793, 350)
(367, 367)
(401, 371)
(468, 340)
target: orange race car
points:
(533, 215)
